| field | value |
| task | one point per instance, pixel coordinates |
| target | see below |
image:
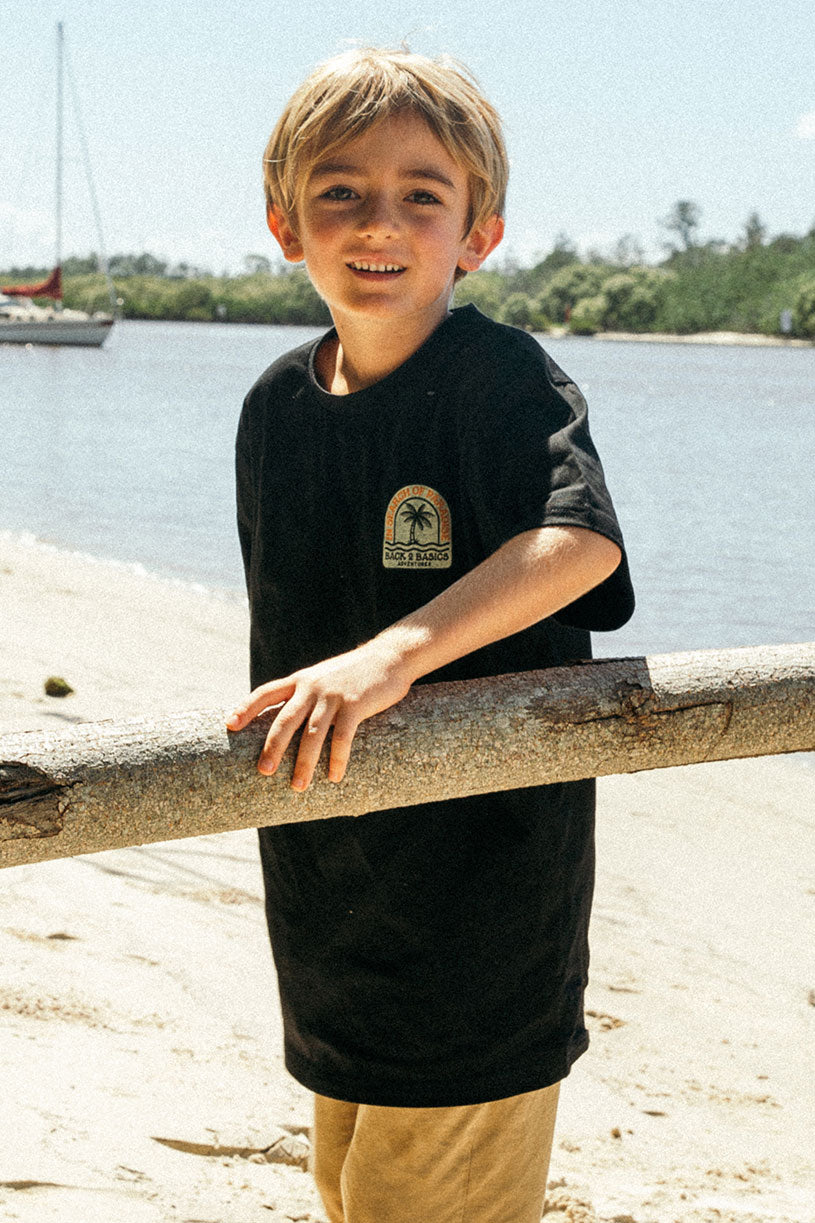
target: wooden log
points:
(106, 785)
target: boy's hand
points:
(531, 576)
(340, 692)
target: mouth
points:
(369, 268)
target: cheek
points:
(446, 235)
(323, 230)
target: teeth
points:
(361, 266)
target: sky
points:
(613, 111)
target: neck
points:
(367, 350)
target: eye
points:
(419, 196)
(338, 193)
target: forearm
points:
(531, 577)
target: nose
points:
(379, 217)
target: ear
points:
(480, 241)
(287, 239)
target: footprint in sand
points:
(565, 1207)
(290, 1146)
(47, 1202)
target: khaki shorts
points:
(480, 1163)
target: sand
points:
(737, 339)
(719, 339)
(140, 1035)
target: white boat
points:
(22, 320)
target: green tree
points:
(303, 303)
(484, 290)
(77, 265)
(628, 251)
(194, 302)
(186, 271)
(785, 244)
(755, 231)
(21, 274)
(634, 298)
(741, 285)
(803, 314)
(148, 265)
(518, 310)
(563, 253)
(588, 315)
(683, 220)
(568, 286)
(136, 265)
(123, 265)
(257, 265)
(88, 292)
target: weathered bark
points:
(109, 784)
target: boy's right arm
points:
(532, 576)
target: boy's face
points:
(381, 225)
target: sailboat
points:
(22, 320)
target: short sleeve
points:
(532, 463)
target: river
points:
(125, 452)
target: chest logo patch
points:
(417, 530)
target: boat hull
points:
(90, 333)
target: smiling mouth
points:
(389, 269)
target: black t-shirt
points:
(436, 954)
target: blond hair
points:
(350, 93)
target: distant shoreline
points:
(720, 339)
(737, 339)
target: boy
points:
(418, 499)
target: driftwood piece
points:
(105, 785)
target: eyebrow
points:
(427, 173)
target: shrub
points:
(194, 302)
(484, 290)
(803, 314)
(568, 286)
(518, 310)
(88, 293)
(588, 315)
(634, 298)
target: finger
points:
(258, 701)
(312, 739)
(291, 716)
(342, 739)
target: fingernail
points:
(298, 783)
(268, 770)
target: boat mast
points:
(59, 147)
(65, 64)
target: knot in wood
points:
(31, 803)
(638, 706)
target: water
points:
(126, 452)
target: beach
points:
(717, 339)
(732, 339)
(140, 1033)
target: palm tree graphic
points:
(418, 515)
